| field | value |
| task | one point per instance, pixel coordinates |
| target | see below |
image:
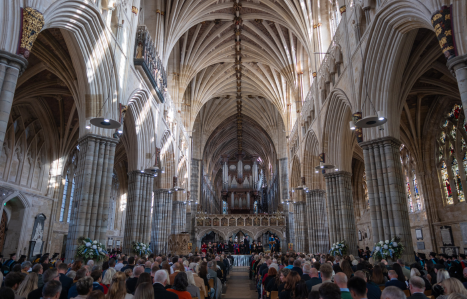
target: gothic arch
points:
(139, 129)
(95, 67)
(337, 136)
(278, 232)
(310, 161)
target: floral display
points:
(141, 248)
(339, 248)
(388, 249)
(90, 250)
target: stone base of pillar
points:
(93, 181)
(178, 244)
(340, 212)
(137, 222)
(316, 220)
(386, 193)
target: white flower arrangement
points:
(141, 248)
(90, 250)
(339, 248)
(388, 249)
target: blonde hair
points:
(414, 272)
(117, 289)
(453, 285)
(442, 275)
(144, 291)
(109, 273)
(29, 284)
(168, 277)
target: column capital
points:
(13, 60)
(139, 173)
(337, 174)
(97, 138)
(162, 191)
(456, 63)
(384, 140)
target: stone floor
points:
(239, 286)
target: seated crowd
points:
(300, 276)
(121, 277)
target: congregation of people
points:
(321, 276)
(202, 275)
(120, 277)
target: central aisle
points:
(239, 286)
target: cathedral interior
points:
(318, 121)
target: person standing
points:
(10, 263)
(231, 245)
(247, 245)
(271, 243)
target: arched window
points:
(452, 148)
(68, 188)
(365, 192)
(256, 207)
(412, 191)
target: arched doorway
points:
(14, 212)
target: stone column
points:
(299, 229)
(386, 192)
(458, 66)
(194, 182)
(340, 212)
(284, 179)
(11, 67)
(161, 221)
(93, 182)
(178, 217)
(290, 225)
(138, 212)
(318, 230)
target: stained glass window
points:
(224, 207)
(409, 195)
(416, 193)
(447, 185)
(256, 207)
(451, 151)
(413, 194)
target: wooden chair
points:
(201, 294)
(211, 283)
(382, 287)
(407, 293)
(274, 295)
(428, 293)
(194, 297)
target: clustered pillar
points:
(318, 231)
(93, 180)
(161, 221)
(386, 192)
(11, 67)
(178, 217)
(341, 217)
(138, 215)
(300, 227)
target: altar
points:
(241, 260)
